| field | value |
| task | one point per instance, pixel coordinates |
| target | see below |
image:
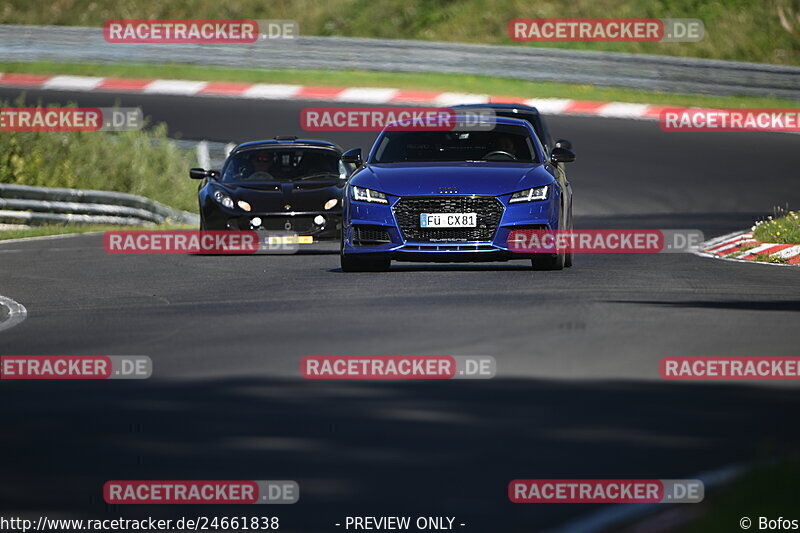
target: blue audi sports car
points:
(453, 196)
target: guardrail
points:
(678, 74)
(26, 205)
(210, 154)
(22, 205)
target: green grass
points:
(43, 231)
(138, 162)
(744, 30)
(764, 258)
(769, 491)
(744, 249)
(432, 82)
(780, 230)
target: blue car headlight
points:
(530, 195)
(368, 195)
(222, 199)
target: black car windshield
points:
(284, 164)
(504, 143)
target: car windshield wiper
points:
(319, 175)
(276, 179)
(430, 161)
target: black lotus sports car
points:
(284, 184)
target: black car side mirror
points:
(563, 143)
(562, 155)
(352, 156)
(201, 173)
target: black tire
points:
(202, 218)
(548, 261)
(365, 263)
(568, 255)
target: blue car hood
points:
(481, 178)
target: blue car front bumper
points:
(401, 242)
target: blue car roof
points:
(495, 119)
(509, 120)
(522, 107)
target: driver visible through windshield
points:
(505, 143)
(282, 164)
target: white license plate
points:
(289, 239)
(448, 220)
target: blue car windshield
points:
(504, 143)
(284, 164)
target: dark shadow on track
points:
(495, 266)
(432, 448)
(748, 305)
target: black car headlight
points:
(222, 199)
(530, 195)
(368, 195)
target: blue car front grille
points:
(489, 209)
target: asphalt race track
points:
(577, 394)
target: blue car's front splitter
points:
(497, 250)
